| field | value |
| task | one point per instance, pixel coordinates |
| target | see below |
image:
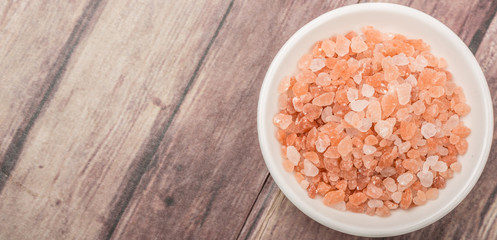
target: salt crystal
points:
(396, 196)
(452, 122)
(443, 151)
(373, 191)
(405, 178)
(400, 59)
(404, 147)
(368, 149)
(389, 184)
(317, 64)
(432, 194)
(375, 203)
(419, 107)
(282, 120)
(428, 130)
(352, 94)
(429, 162)
(358, 105)
(412, 80)
(426, 178)
(327, 114)
(420, 63)
(345, 146)
(323, 79)
(404, 93)
(374, 111)
(342, 45)
(366, 124)
(456, 167)
(367, 90)
(439, 166)
(309, 169)
(304, 184)
(322, 143)
(388, 171)
(352, 118)
(293, 155)
(357, 45)
(284, 84)
(357, 78)
(383, 128)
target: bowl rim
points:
(272, 165)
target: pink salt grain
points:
(428, 130)
(404, 93)
(342, 45)
(309, 169)
(317, 64)
(390, 184)
(456, 167)
(358, 105)
(431, 194)
(323, 79)
(345, 146)
(324, 99)
(293, 155)
(357, 45)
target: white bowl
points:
(466, 73)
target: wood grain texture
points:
(208, 170)
(274, 216)
(132, 67)
(36, 40)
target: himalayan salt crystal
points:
(304, 184)
(383, 128)
(323, 79)
(298, 105)
(454, 139)
(391, 72)
(429, 162)
(396, 197)
(358, 198)
(374, 191)
(404, 147)
(418, 107)
(358, 105)
(405, 178)
(390, 184)
(367, 90)
(326, 114)
(345, 146)
(342, 45)
(312, 157)
(428, 130)
(300, 88)
(309, 169)
(368, 149)
(400, 59)
(288, 166)
(374, 111)
(461, 130)
(426, 178)
(282, 120)
(388, 171)
(411, 80)
(317, 64)
(357, 45)
(411, 165)
(354, 208)
(322, 143)
(323, 188)
(388, 104)
(420, 198)
(370, 211)
(306, 76)
(324, 99)
(366, 124)
(439, 166)
(312, 112)
(403, 114)
(371, 140)
(284, 84)
(406, 200)
(352, 118)
(439, 182)
(352, 94)
(283, 101)
(451, 123)
(357, 78)
(449, 88)
(431, 194)
(328, 47)
(293, 155)
(390, 205)
(375, 203)
(305, 61)
(404, 93)
(420, 63)
(443, 151)
(456, 167)
(436, 91)
(462, 109)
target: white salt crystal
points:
(429, 162)
(358, 105)
(452, 122)
(357, 78)
(405, 178)
(426, 178)
(375, 203)
(404, 93)
(428, 130)
(352, 94)
(317, 64)
(383, 128)
(293, 155)
(400, 59)
(368, 149)
(367, 90)
(396, 197)
(366, 124)
(412, 80)
(309, 169)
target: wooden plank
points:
(126, 76)
(36, 39)
(208, 170)
(274, 216)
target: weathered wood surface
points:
(136, 119)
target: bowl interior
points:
(466, 73)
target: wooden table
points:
(137, 119)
